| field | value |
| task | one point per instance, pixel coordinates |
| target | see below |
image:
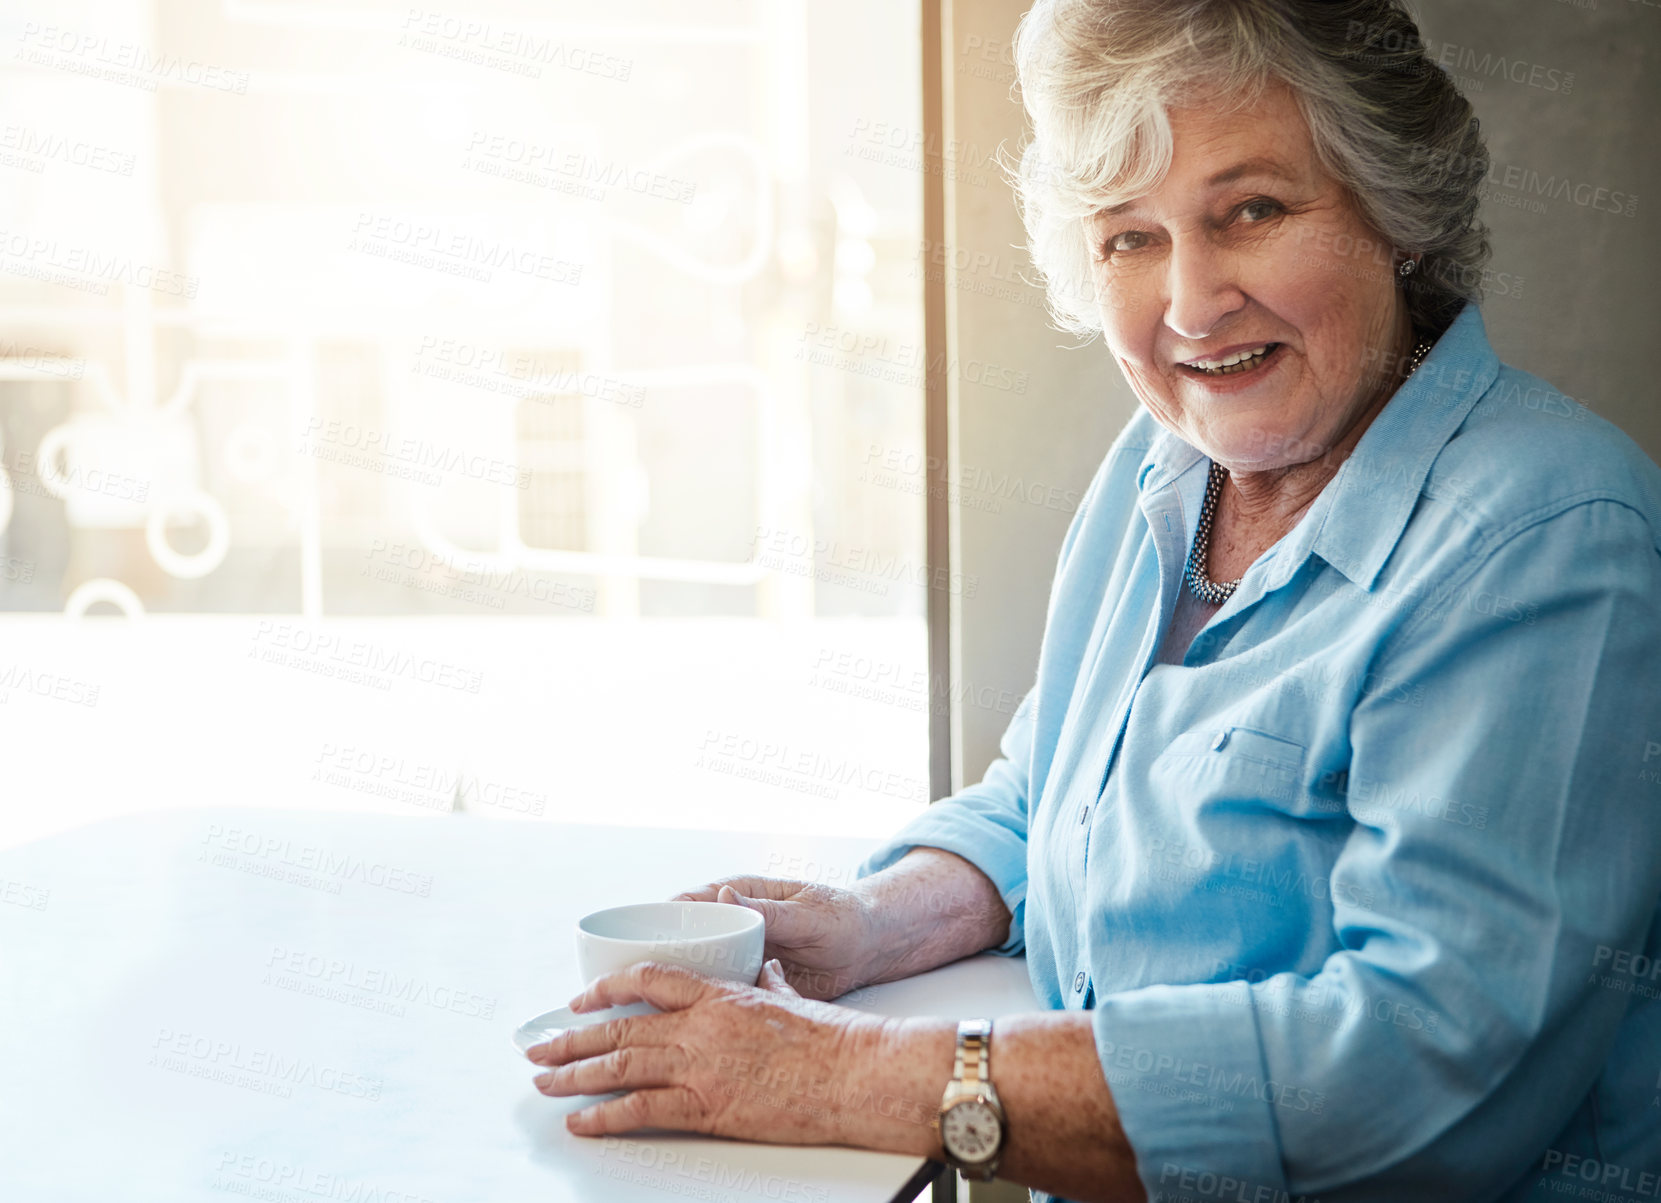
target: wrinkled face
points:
(1253, 311)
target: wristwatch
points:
(971, 1121)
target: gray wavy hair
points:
(1098, 76)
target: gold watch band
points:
(974, 1051)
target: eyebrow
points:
(1249, 167)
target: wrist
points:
(893, 1074)
(882, 939)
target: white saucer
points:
(543, 1027)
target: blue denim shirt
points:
(1364, 893)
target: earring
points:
(1406, 269)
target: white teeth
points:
(1230, 360)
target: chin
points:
(1255, 449)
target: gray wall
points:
(1585, 316)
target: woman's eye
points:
(1259, 210)
(1129, 240)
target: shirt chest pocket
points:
(1234, 768)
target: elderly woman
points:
(1331, 828)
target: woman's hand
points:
(825, 938)
(755, 1062)
(762, 1063)
(929, 909)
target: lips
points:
(1233, 362)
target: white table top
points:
(303, 1007)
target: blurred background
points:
(514, 414)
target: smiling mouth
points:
(1234, 364)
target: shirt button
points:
(1219, 740)
(1078, 982)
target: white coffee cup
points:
(717, 939)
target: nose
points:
(1201, 288)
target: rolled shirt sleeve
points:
(1504, 843)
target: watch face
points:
(970, 1131)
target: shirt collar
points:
(1355, 522)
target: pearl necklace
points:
(1215, 593)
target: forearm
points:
(1064, 1133)
(930, 908)
(1063, 1128)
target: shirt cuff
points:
(996, 851)
(1186, 1068)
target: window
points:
(515, 411)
